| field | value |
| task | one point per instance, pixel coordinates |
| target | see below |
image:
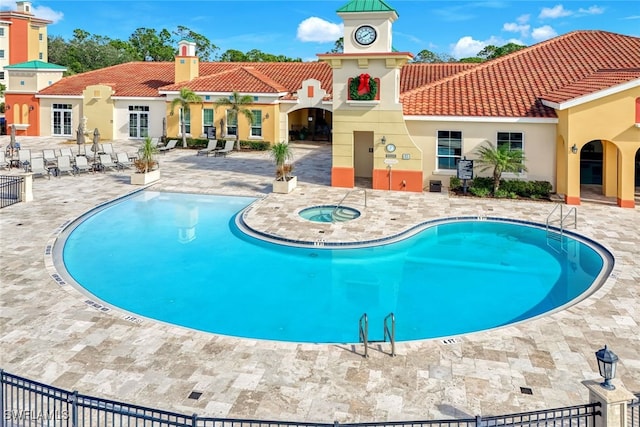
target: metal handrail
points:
(345, 198)
(390, 333)
(363, 333)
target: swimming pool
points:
(179, 258)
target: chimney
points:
(187, 63)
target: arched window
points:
(637, 111)
(183, 51)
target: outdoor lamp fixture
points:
(574, 149)
(310, 119)
(7, 107)
(31, 108)
(383, 140)
(607, 360)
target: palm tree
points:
(500, 159)
(186, 97)
(236, 104)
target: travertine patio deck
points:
(48, 333)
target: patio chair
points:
(108, 149)
(122, 160)
(82, 164)
(49, 157)
(170, 146)
(228, 147)
(211, 147)
(67, 152)
(107, 162)
(37, 167)
(3, 160)
(64, 165)
(24, 157)
(155, 141)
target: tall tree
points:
(236, 104)
(338, 46)
(186, 97)
(427, 56)
(149, 45)
(499, 160)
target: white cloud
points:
(315, 29)
(593, 10)
(512, 27)
(523, 19)
(467, 46)
(554, 12)
(543, 33)
(45, 12)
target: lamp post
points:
(607, 361)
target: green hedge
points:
(199, 143)
(509, 188)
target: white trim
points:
(482, 119)
(138, 98)
(59, 96)
(226, 94)
(592, 96)
(356, 103)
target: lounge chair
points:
(155, 141)
(49, 157)
(122, 160)
(24, 157)
(68, 152)
(3, 160)
(37, 167)
(64, 165)
(170, 146)
(228, 147)
(211, 147)
(82, 164)
(107, 162)
(108, 149)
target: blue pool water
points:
(179, 258)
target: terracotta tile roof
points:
(140, 79)
(600, 80)
(571, 65)
(415, 75)
(248, 79)
(511, 86)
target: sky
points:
(304, 28)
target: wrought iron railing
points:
(633, 412)
(10, 190)
(29, 403)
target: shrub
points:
(455, 183)
(501, 194)
(255, 145)
(541, 188)
(482, 183)
(479, 191)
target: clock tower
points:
(370, 137)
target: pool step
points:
(341, 215)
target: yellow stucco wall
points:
(98, 107)
(539, 145)
(186, 68)
(270, 124)
(610, 119)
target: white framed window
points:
(138, 121)
(510, 140)
(61, 119)
(232, 123)
(207, 119)
(1, 32)
(187, 120)
(1, 75)
(1, 53)
(256, 125)
(449, 149)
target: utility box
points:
(435, 186)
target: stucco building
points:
(572, 104)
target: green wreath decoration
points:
(353, 90)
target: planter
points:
(145, 178)
(284, 187)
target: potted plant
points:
(282, 156)
(147, 167)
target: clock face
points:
(390, 148)
(365, 35)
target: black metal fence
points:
(32, 404)
(10, 190)
(633, 412)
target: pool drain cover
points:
(195, 395)
(526, 390)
